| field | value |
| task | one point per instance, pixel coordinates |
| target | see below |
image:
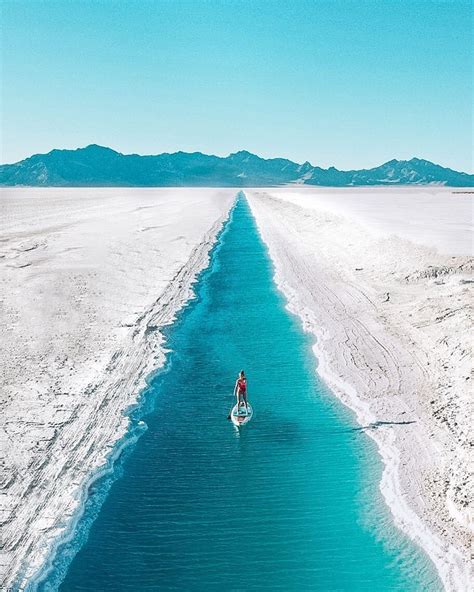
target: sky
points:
(341, 83)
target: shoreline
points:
(107, 423)
(321, 309)
(136, 425)
(70, 531)
(126, 437)
(404, 517)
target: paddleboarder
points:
(240, 390)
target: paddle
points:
(230, 412)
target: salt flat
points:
(435, 216)
(88, 276)
(383, 279)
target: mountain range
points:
(97, 166)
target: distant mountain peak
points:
(421, 161)
(243, 155)
(98, 149)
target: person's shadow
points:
(378, 424)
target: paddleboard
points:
(240, 416)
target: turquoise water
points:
(291, 502)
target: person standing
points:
(240, 390)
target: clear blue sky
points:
(349, 84)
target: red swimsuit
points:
(242, 384)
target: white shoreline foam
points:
(365, 357)
(106, 268)
(69, 532)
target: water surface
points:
(291, 502)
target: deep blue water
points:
(289, 503)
